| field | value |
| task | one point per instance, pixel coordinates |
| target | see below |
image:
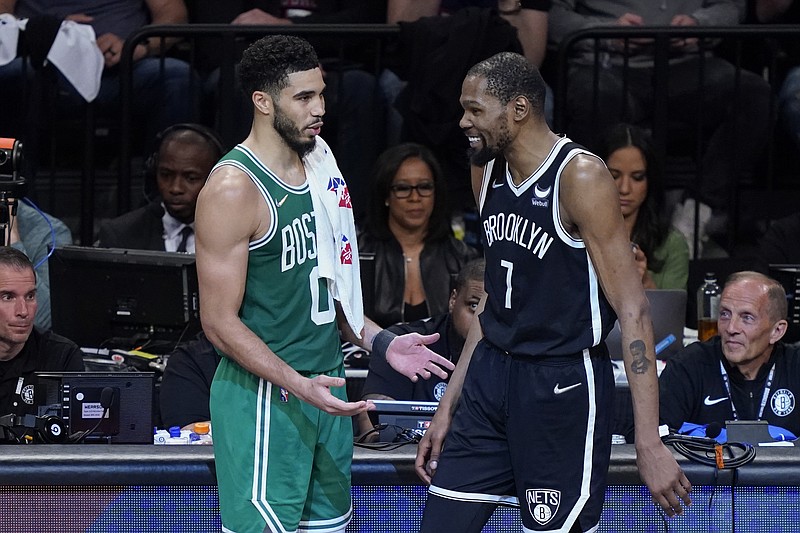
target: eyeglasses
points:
(404, 191)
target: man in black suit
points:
(183, 158)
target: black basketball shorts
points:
(533, 432)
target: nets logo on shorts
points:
(543, 504)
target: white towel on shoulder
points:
(337, 250)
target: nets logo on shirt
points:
(782, 402)
(543, 504)
(439, 390)
(27, 394)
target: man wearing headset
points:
(183, 158)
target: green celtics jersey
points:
(285, 301)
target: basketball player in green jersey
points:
(282, 432)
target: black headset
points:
(151, 163)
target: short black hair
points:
(474, 270)
(509, 75)
(267, 63)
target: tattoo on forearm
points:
(640, 363)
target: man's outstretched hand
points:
(409, 355)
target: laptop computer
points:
(668, 310)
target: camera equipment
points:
(11, 183)
(30, 428)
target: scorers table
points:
(120, 488)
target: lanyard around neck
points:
(764, 397)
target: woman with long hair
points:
(408, 229)
(661, 252)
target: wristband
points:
(381, 342)
(513, 11)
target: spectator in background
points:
(780, 243)
(184, 157)
(745, 373)
(661, 253)
(160, 85)
(408, 229)
(186, 385)
(24, 349)
(734, 106)
(529, 17)
(422, 96)
(785, 12)
(384, 383)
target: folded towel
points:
(337, 250)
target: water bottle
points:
(177, 436)
(707, 307)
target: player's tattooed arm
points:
(640, 363)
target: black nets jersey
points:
(544, 294)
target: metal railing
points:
(737, 39)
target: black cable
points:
(405, 436)
(77, 438)
(706, 451)
(713, 490)
(728, 456)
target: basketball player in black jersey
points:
(526, 419)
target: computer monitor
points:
(789, 277)
(77, 398)
(98, 295)
(403, 418)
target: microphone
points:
(107, 396)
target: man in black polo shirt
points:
(745, 373)
(24, 349)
